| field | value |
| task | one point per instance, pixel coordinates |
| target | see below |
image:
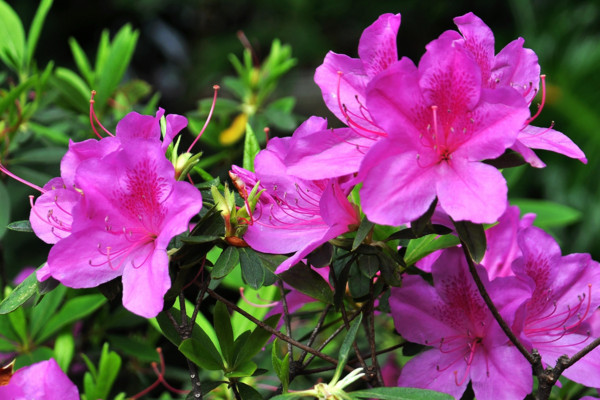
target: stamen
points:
(541, 106)
(94, 118)
(267, 131)
(247, 301)
(210, 113)
(23, 181)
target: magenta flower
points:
(343, 82)
(558, 319)
(294, 215)
(517, 67)
(467, 343)
(132, 208)
(43, 380)
(441, 123)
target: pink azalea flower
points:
(558, 319)
(517, 67)
(343, 82)
(43, 380)
(132, 208)
(294, 215)
(441, 123)
(467, 343)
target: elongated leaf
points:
(202, 353)
(548, 214)
(345, 348)
(108, 369)
(4, 209)
(64, 349)
(363, 230)
(248, 392)
(15, 92)
(228, 259)
(257, 340)
(46, 308)
(46, 155)
(252, 269)
(12, 38)
(246, 368)
(224, 331)
(73, 89)
(73, 310)
(82, 62)
(473, 236)
(36, 28)
(111, 73)
(306, 280)
(251, 148)
(419, 248)
(400, 393)
(20, 226)
(20, 295)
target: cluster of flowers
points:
(114, 209)
(414, 134)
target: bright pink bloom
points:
(517, 67)
(132, 208)
(294, 215)
(343, 82)
(43, 380)
(441, 123)
(557, 319)
(467, 343)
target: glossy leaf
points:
(251, 148)
(345, 348)
(364, 229)
(473, 236)
(227, 261)
(4, 210)
(20, 226)
(304, 279)
(400, 393)
(419, 248)
(202, 353)
(20, 295)
(73, 310)
(224, 331)
(548, 213)
(252, 269)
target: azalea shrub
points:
(379, 256)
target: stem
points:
(330, 338)
(488, 301)
(315, 332)
(370, 328)
(286, 319)
(274, 331)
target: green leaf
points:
(419, 225)
(134, 346)
(227, 261)
(364, 229)
(73, 310)
(244, 369)
(257, 340)
(20, 226)
(251, 148)
(419, 248)
(345, 348)
(473, 236)
(57, 136)
(4, 209)
(108, 369)
(224, 331)
(202, 353)
(306, 280)
(45, 309)
(400, 393)
(201, 239)
(36, 28)
(264, 294)
(111, 72)
(19, 323)
(75, 92)
(64, 349)
(12, 38)
(20, 295)
(253, 272)
(548, 214)
(8, 100)
(248, 392)
(82, 62)
(281, 367)
(46, 155)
